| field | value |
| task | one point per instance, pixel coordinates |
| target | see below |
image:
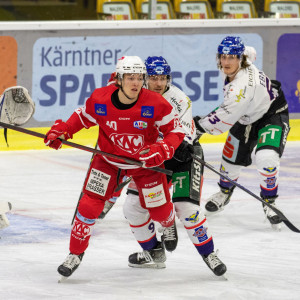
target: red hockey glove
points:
(155, 154)
(60, 130)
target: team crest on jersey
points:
(270, 169)
(100, 109)
(140, 124)
(270, 182)
(130, 143)
(147, 111)
(194, 218)
(201, 233)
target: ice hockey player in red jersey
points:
(129, 119)
(187, 182)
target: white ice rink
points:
(44, 186)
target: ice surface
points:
(44, 186)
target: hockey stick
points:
(88, 149)
(284, 219)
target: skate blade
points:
(148, 266)
(62, 279)
(224, 276)
(276, 227)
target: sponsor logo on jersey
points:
(147, 111)
(100, 109)
(124, 119)
(130, 143)
(176, 104)
(194, 218)
(231, 148)
(196, 176)
(140, 125)
(81, 229)
(240, 96)
(155, 195)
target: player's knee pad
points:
(267, 163)
(140, 222)
(189, 213)
(90, 207)
(194, 222)
(133, 211)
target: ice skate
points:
(217, 201)
(107, 207)
(153, 258)
(3, 221)
(215, 264)
(4, 208)
(69, 266)
(272, 217)
(169, 237)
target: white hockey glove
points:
(16, 106)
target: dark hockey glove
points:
(199, 129)
(60, 130)
(184, 151)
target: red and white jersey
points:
(126, 132)
(183, 107)
(246, 99)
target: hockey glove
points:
(199, 129)
(155, 154)
(60, 130)
(183, 152)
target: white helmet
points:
(251, 53)
(130, 64)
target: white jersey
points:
(246, 99)
(183, 107)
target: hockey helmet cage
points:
(157, 65)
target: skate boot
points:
(169, 237)
(4, 208)
(153, 258)
(107, 207)
(70, 264)
(272, 217)
(3, 221)
(215, 264)
(217, 201)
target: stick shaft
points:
(88, 149)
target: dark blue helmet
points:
(157, 65)
(232, 45)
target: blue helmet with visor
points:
(232, 45)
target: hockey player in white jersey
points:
(187, 184)
(255, 112)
